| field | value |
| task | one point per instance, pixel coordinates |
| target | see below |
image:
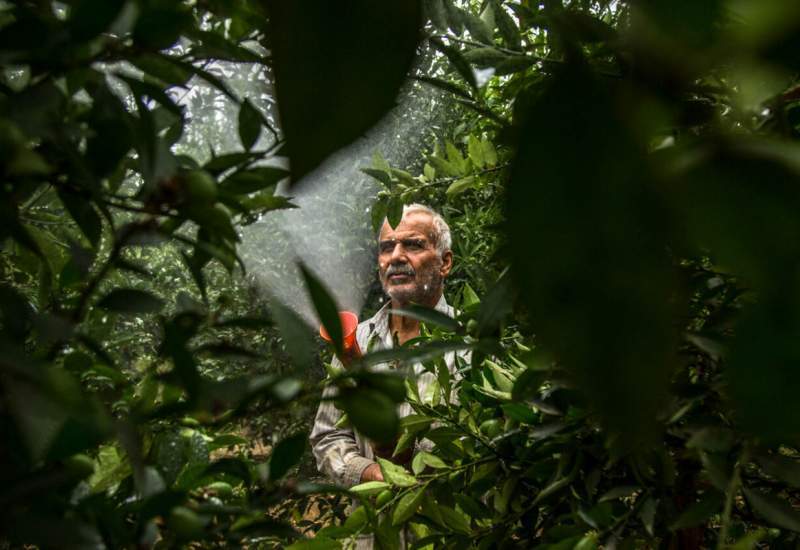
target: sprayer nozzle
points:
(349, 321)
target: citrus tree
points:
(621, 179)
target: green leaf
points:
(249, 124)
(781, 467)
(381, 175)
(396, 475)
(325, 307)
(88, 18)
(475, 151)
(131, 300)
(430, 315)
(160, 26)
(367, 55)
(369, 488)
(420, 353)
(519, 412)
(461, 185)
(213, 45)
(286, 454)
(443, 167)
(158, 66)
(455, 158)
(417, 465)
(457, 60)
(508, 28)
(407, 506)
(221, 163)
(750, 540)
(357, 519)
(394, 211)
(84, 215)
(295, 334)
(437, 13)
(447, 86)
(432, 460)
(152, 90)
(378, 214)
(698, 512)
(371, 412)
(776, 511)
(648, 515)
(454, 520)
(489, 153)
(477, 27)
(415, 423)
(485, 57)
(253, 179)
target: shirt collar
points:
(380, 321)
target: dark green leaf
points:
(286, 454)
(396, 475)
(446, 86)
(381, 175)
(477, 27)
(252, 180)
(325, 307)
(698, 512)
(367, 54)
(88, 18)
(249, 124)
(214, 46)
(456, 58)
(407, 506)
(454, 520)
(371, 412)
(370, 488)
(519, 412)
(394, 211)
(508, 28)
(781, 467)
(221, 163)
(776, 511)
(429, 315)
(84, 215)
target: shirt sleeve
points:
(335, 449)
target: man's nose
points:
(398, 254)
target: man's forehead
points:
(413, 225)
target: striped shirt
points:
(342, 453)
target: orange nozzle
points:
(349, 321)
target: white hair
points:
(441, 231)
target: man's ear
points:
(447, 263)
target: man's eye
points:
(413, 245)
(387, 247)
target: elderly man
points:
(414, 259)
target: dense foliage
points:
(621, 180)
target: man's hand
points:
(372, 473)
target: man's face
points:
(410, 269)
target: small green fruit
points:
(185, 523)
(199, 187)
(221, 488)
(79, 466)
(492, 427)
(383, 497)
